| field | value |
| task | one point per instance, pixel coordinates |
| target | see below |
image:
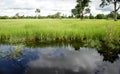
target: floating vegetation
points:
(14, 52)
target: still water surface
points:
(57, 60)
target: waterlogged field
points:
(29, 30)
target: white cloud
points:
(96, 9)
(67, 59)
(27, 7)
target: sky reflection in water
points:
(54, 60)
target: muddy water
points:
(58, 60)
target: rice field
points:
(38, 30)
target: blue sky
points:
(27, 7)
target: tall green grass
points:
(38, 30)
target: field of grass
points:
(38, 30)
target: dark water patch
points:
(58, 60)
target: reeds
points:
(38, 30)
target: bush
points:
(100, 16)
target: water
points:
(58, 60)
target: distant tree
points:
(57, 15)
(110, 15)
(70, 16)
(4, 17)
(91, 16)
(17, 15)
(100, 16)
(118, 16)
(37, 11)
(116, 4)
(86, 17)
(81, 8)
(75, 13)
(22, 16)
(14, 17)
(64, 16)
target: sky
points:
(47, 7)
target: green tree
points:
(91, 16)
(81, 8)
(57, 15)
(116, 4)
(37, 11)
(100, 16)
(4, 17)
(75, 12)
(17, 15)
(118, 16)
(110, 15)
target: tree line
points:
(59, 16)
(37, 16)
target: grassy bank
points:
(38, 30)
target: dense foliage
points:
(80, 9)
(116, 4)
